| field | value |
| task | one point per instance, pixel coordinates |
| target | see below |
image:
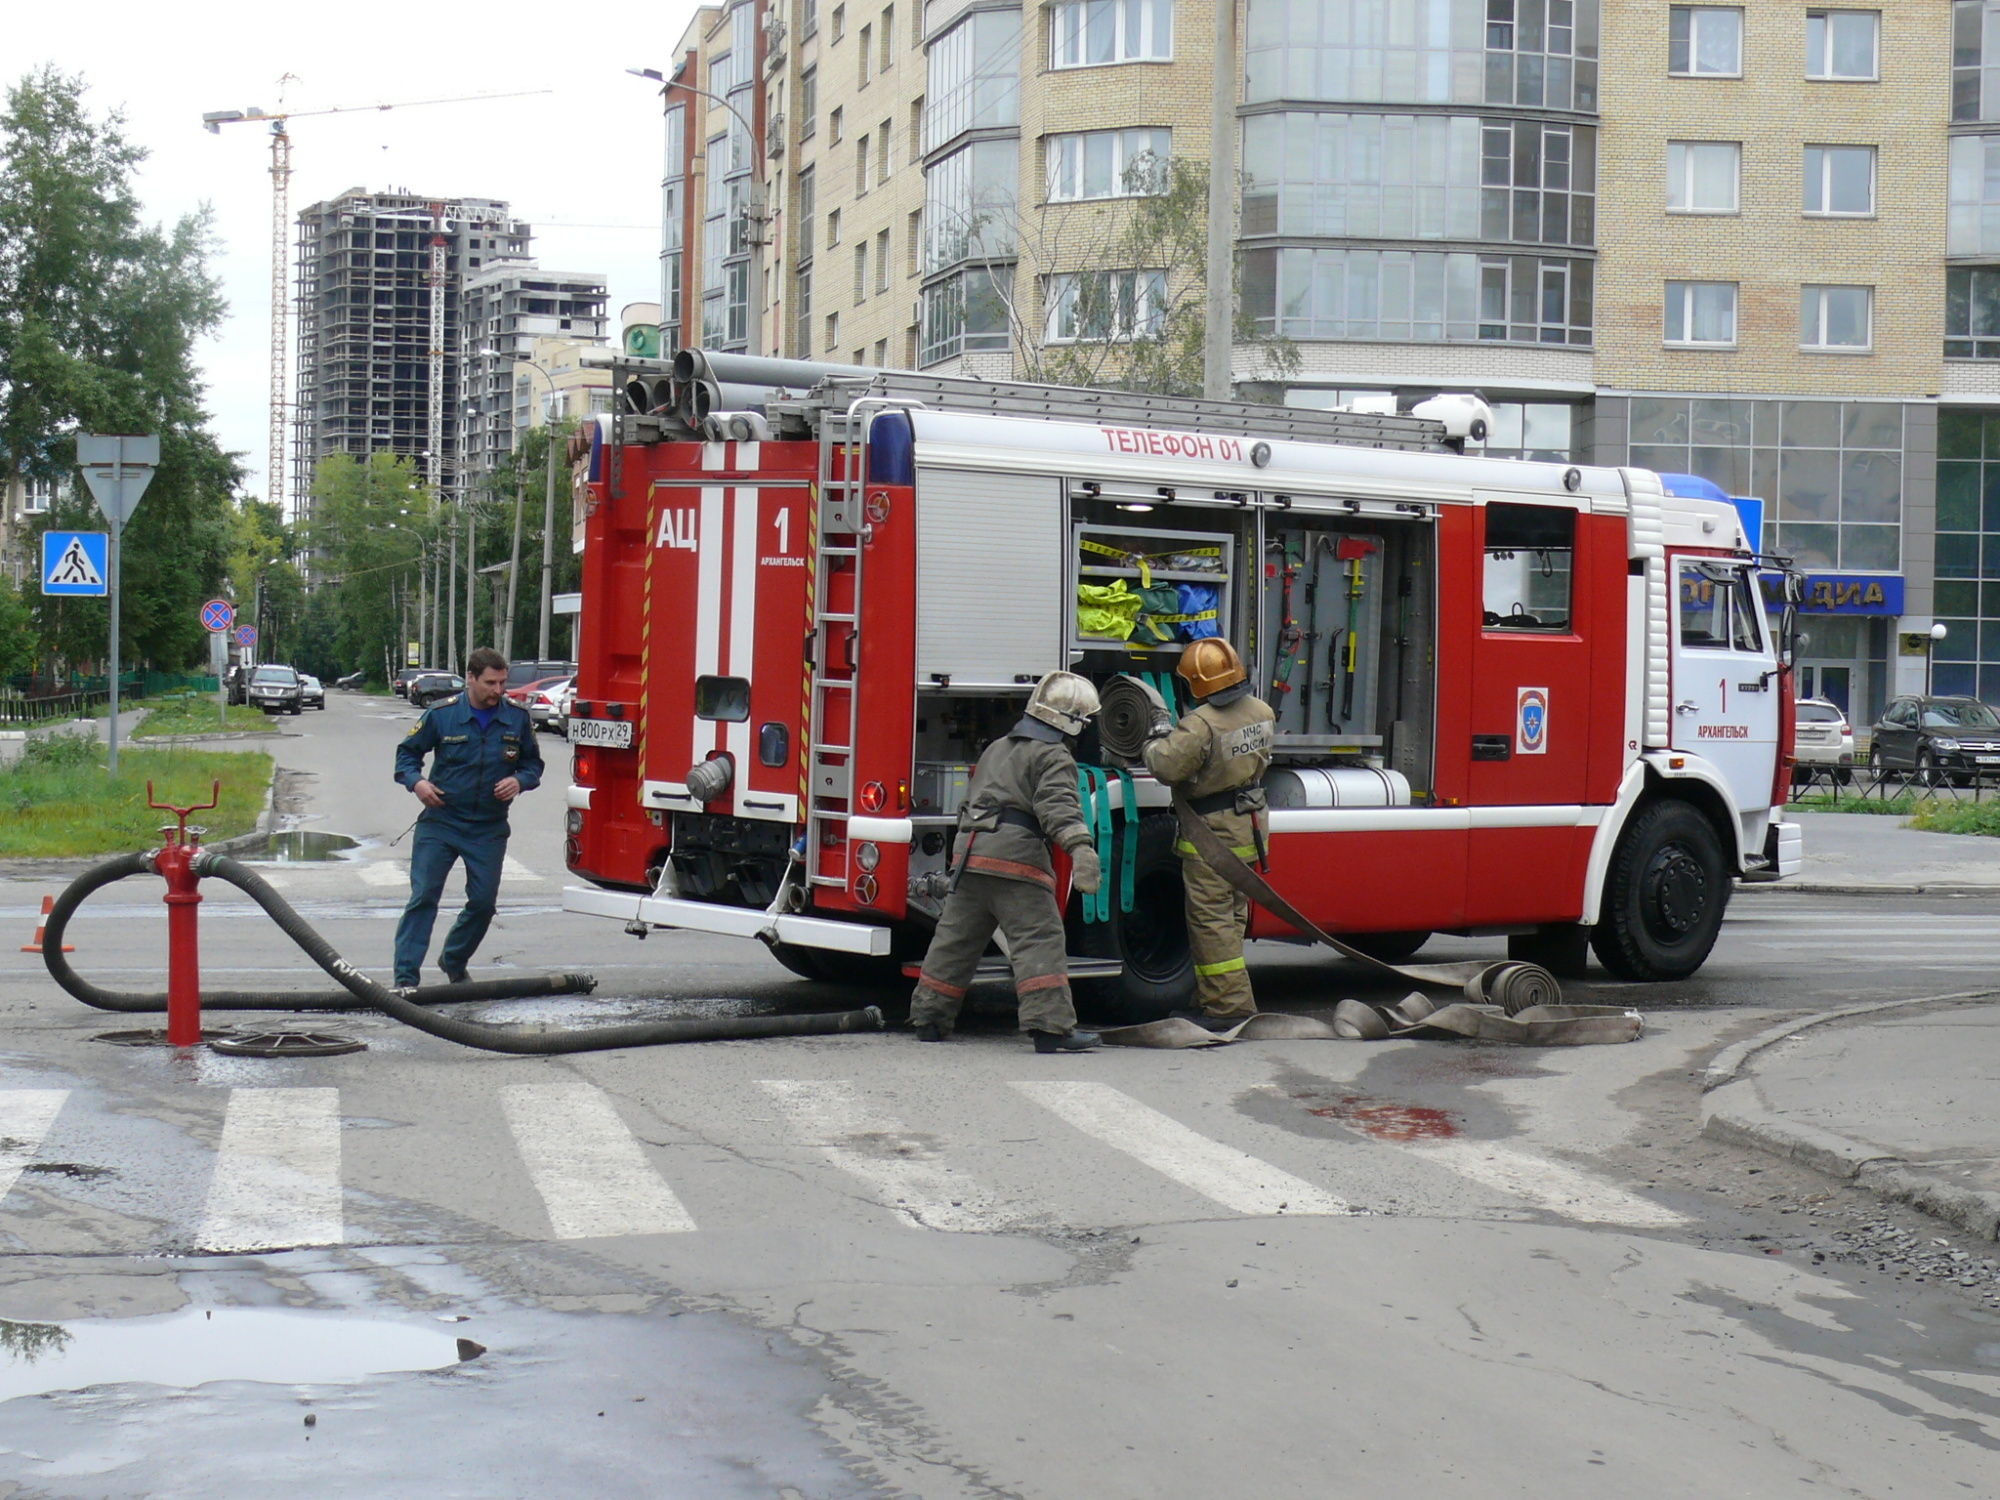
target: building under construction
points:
(365, 347)
(505, 306)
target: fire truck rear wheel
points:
(857, 970)
(1151, 939)
(1664, 895)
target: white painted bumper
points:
(727, 921)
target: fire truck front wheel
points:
(1151, 939)
(1664, 894)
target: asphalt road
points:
(858, 1266)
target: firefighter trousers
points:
(1026, 914)
(1217, 914)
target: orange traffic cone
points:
(48, 905)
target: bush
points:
(1959, 817)
(60, 752)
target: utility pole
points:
(471, 574)
(504, 636)
(1219, 334)
(548, 543)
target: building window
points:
(1968, 555)
(1539, 431)
(1836, 317)
(1413, 296)
(881, 353)
(1705, 41)
(1092, 33)
(1539, 53)
(38, 496)
(1095, 306)
(975, 76)
(804, 312)
(969, 203)
(834, 122)
(885, 139)
(1975, 59)
(1841, 44)
(861, 161)
(1830, 472)
(966, 313)
(1701, 313)
(806, 191)
(1107, 164)
(808, 103)
(1702, 176)
(1972, 223)
(861, 271)
(887, 32)
(832, 320)
(837, 27)
(832, 228)
(1425, 177)
(882, 262)
(808, 22)
(1972, 312)
(1840, 180)
(865, 54)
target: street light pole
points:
(1220, 324)
(1938, 633)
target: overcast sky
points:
(580, 163)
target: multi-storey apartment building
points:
(364, 323)
(1756, 242)
(506, 309)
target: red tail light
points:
(874, 797)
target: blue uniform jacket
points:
(467, 761)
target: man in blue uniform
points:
(483, 756)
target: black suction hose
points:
(366, 993)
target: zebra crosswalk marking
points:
(901, 1169)
(277, 1174)
(1222, 1174)
(25, 1118)
(591, 1172)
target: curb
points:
(1732, 1113)
(1794, 886)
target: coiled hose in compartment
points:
(363, 993)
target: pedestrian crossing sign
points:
(74, 563)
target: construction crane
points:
(281, 192)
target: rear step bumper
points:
(728, 921)
(999, 971)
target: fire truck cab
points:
(1539, 700)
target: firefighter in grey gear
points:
(1023, 798)
(1216, 757)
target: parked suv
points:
(276, 690)
(434, 687)
(1959, 737)
(1823, 742)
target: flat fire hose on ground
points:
(363, 993)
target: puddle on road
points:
(199, 1345)
(302, 846)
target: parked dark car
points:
(521, 673)
(276, 690)
(401, 681)
(236, 683)
(1937, 737)
(312, 695)
(434, 687)
(351, 681)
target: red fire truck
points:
(1516, 698)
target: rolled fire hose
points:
(363, 993)
(1124, 721)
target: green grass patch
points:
(58, 800)
(1895, 807)
(194, 713)
(1959, 817)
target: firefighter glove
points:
(1087, 872)
(1162, 725)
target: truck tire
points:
(1386, 947)
(1664, 894)
(856, 970)
(1151, 939)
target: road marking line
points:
(383, 872)
(900, 1167)
(25, 1118)
(593, 1176)
(512, 869)
(1546, 1183)
(1220, 1173)
(277, 1174)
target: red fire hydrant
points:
(175, 861)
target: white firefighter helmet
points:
(1063, 701)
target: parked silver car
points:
(312, 695)
(1823, 742)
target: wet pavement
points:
(860, 1266)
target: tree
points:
(371, 522)
(524, 472)
(99, 314)
(17, 636)
(1108, 291)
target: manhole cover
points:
(153, 1038)
(287, 1044)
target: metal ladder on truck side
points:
(841, 541)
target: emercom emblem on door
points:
(1531, 721)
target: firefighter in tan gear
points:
(1216, 757)
(1023, 798)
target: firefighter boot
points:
(1071, 1041)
